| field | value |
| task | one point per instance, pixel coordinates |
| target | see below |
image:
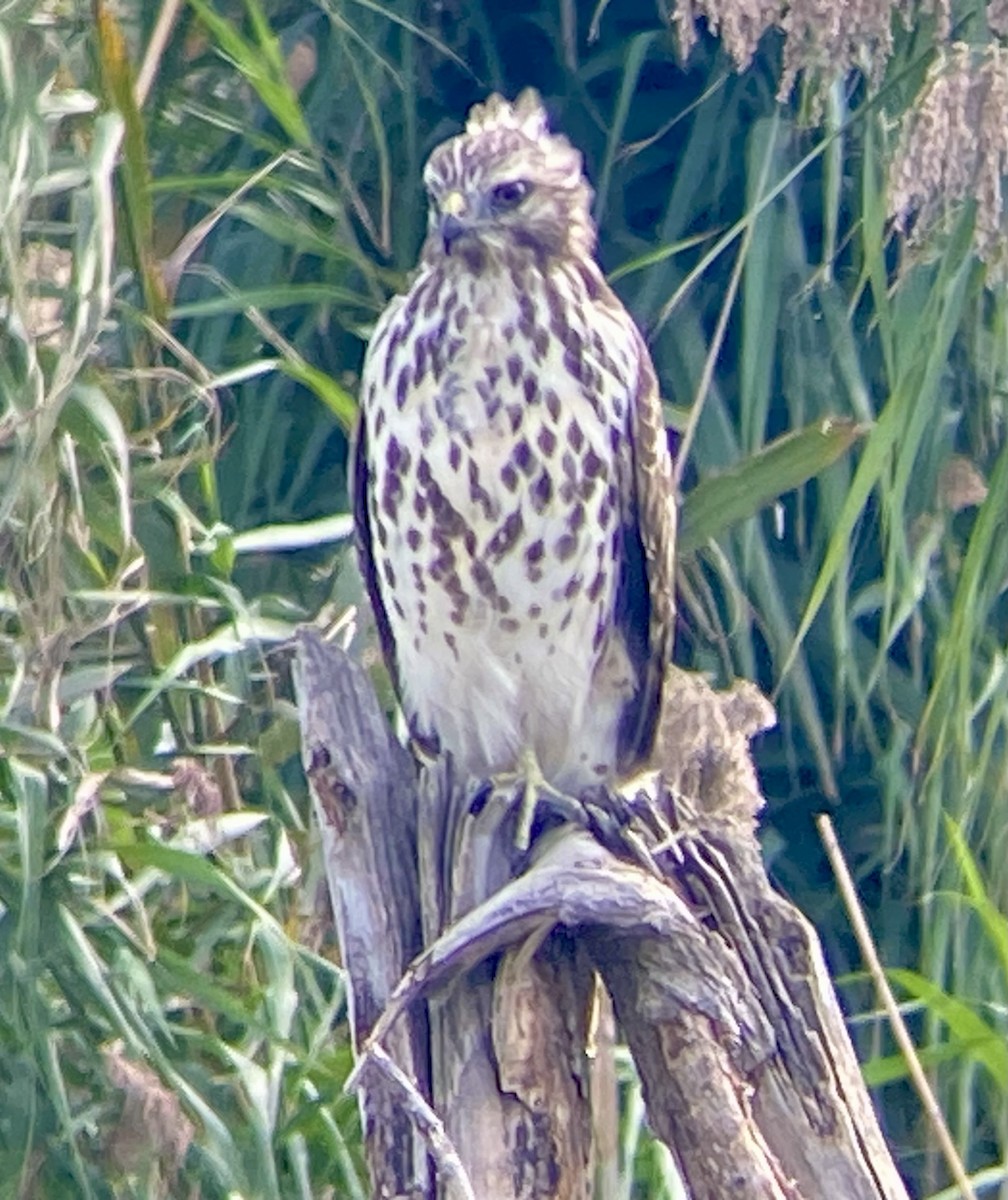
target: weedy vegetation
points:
(203, 207)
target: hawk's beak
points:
(453, 219)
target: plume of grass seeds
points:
(823, 40)
(954, 148)
(739, 23)
(997, 17)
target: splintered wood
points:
(473, 966)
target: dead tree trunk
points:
(473, 967)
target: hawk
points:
(513, 491)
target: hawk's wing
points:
(359, 488)
(645, 607)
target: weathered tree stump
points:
(473, 966)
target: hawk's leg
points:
(533, 787)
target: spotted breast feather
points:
(513, 495)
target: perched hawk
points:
(513, 495)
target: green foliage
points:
(161, 1006)
(971, 1032)
(199, 223)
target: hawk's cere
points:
(513, 492)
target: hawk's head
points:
(507, 183)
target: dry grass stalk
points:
(152, 1128)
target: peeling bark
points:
(473, 967)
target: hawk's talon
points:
(534, 790)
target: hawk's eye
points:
(506, 196)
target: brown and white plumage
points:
(513, 491)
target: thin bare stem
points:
(902, 1035)
(160, 36)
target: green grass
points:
(187, 281)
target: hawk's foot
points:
(529, 787)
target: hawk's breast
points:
(496, 412)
